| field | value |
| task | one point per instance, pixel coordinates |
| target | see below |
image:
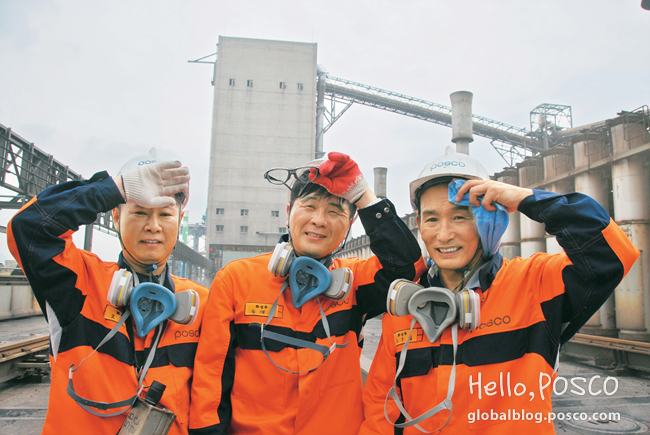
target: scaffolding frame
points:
(546, 120)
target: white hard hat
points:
(138, 161)
(147, 159)
(451, 164)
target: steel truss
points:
(26, 170)
(547, 120)
(512, 143)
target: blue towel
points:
(491, 224)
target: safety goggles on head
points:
(288, 176)
(307, 279)
(152, 303)
(435, 309)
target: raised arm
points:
(599, 252)
(397, 255)
(40, 238)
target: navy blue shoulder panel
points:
(397, 250)
(578, 222)
(37, 230)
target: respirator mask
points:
(150, 304)
(306, 278)
(435, 309)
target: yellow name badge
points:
(400, 336)
(113, 314)
(263, 310)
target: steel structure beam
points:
(547, 120)
(26, 170)
(512, 143)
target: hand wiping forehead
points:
(491, 224)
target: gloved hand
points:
(341, 176)
(156, 184)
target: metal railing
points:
(27, 170)
(637, 126)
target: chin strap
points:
(296, 342)
(445, 404)
(471, 268)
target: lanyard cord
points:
(299, 343)
(126, 403)
(141, 371)
(445, 404)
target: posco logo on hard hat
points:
(146, 162)
(448, 163)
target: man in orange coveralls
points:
(72, 288)
(276, 355)
(475, 346)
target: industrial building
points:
(263, 117)
(269, 111)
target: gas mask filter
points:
(435, 309)
(152, 303)
(308, 278)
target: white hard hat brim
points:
(449, 165)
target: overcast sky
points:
(96, 82)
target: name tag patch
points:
(263, 310)
(113, 314)
(400, 336)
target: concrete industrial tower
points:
(264, 116)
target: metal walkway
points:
(512, 143)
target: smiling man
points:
(470, 362)
(449, 232)
(86, 300)
(281, 343)
(148, 235)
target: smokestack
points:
(380, 182)
(461, 120)
(320, 110)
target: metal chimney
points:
(380, 182)
(320, 110)
(461, 120)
